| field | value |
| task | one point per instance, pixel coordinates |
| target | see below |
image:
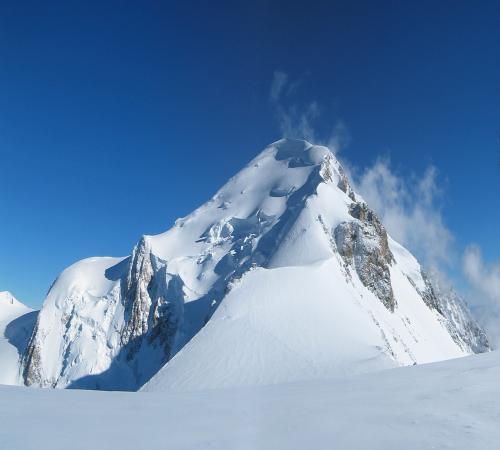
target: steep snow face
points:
(16, 325)
(291, 272)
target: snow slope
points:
(287, 273)
(16, 324)
(298, 323)
(448, 405)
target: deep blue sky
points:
(118, 117)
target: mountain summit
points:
(285, 274)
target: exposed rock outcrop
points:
(363, 244)
(31, 368)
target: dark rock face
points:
(31, 361)
(429, 295)
(328, 168)
(363, 244)
(153, 305)
(455, 314)
(344, 184)
(462, 326)
(135, 297)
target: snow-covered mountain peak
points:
(9, 303)
(284, 263)
(6, 297)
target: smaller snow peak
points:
(7, 297)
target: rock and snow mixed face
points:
(284, 274)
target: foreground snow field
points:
(448, 405)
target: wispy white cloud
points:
(299, 120)
(484, 279)
(280, 80)
(339, 137)
(410, 206)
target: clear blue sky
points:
(118, 117)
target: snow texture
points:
(448, 405)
